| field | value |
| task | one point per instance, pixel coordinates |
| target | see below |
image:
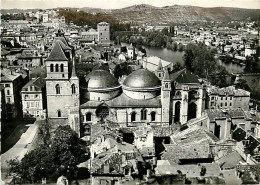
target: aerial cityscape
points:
(135, 95)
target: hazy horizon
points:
(117, 4)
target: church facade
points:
(143, 98)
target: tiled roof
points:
(57, 53)
(229, 113)
(253, 143)
(6, 75)
(212, 170)
(125, 101)
(184, 76)
(230, 160)
(38, 82)
(192, 143)
(239, 134)
(231, 91)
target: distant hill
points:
(144, 13)
(176, 13)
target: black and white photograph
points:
(130, 92)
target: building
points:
(131, 52)
(45, 17)
(62, 83)
(103, 29)
(153, 63)
(3, 110)
(227, 98)
(140, 100)
(34, 99)
(91, 35)
(13, 83)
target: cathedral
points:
(143, 98)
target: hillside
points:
(141, 14)
(178, 13)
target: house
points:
(227, 98)
(13, 83)
(34, 99)
(3, 110)
(153, 63)
(190, 146)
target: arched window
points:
(73, 88)
(61, 68)
(143, 114)
(57, 68)
(59, 113)
(57, 89)
(51, 68)
(178, 93)
(88, 116)
(153, 114)
(133, 116)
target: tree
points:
(200, 59)
(50, 161)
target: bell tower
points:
(159, 71)
(166, 97)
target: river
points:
(177, 56)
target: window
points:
(178, 93)
(230, 104)
(57, 67)
(143, 114)
(226, 104)
(166, 85)
(221, 104)
(8, 92)
(212, 98)
(7, 85)
(221, 98)
(37, 104)
(133, 116)
(36, 96)
(73, 88)
(230, 98)
(28, 104)
(32, 104)
(51, 68)
(153, 114)
(57, 89)
(226, 98)
(61, 68)
(8, 100)
(25, 96)
(88, 116)
(59, 113)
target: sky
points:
(114, 4)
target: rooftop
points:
(57, 53)
(184, 76)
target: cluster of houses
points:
(152, 125)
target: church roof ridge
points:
(57, 53)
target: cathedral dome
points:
(142, 78)
(101, 86)
(141, 84)
(101, 79)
